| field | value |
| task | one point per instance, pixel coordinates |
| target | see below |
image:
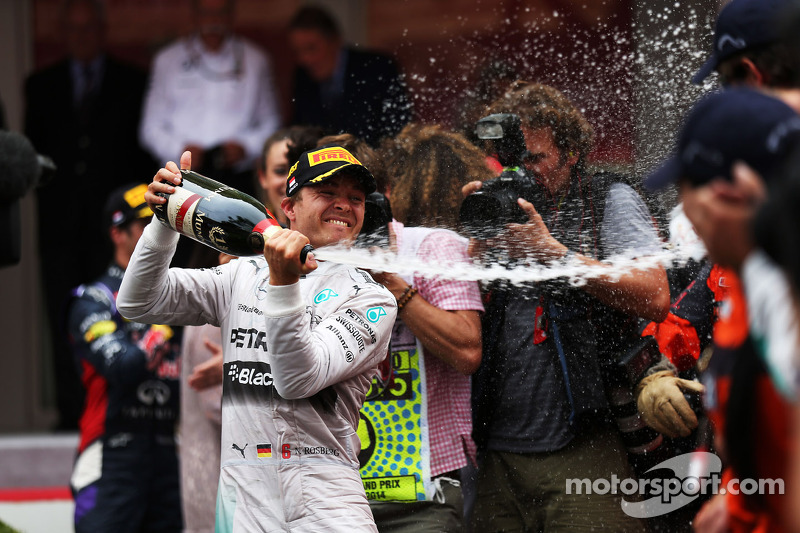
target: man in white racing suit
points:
(301, 344)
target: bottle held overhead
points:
(218, 216)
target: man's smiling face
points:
(328, 213)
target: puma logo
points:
(240, 450)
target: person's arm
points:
(206, 378)
(639, 291)
(151, 292)
(208, 373)
(156, 130)
(713, 516)
(452, 336)
(203, 358)
(343, 345)
(108, 349)
(443, 314)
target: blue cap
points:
(736, 124)
(742, 25)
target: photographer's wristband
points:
(406, 297)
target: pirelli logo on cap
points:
(135, 196)
(316, 166)
(327, 155)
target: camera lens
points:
(484, 214)
(478, 211)
(377, 214)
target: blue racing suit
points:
(126, 470)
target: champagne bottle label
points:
(180, 211)
(186, 216)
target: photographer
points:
(539, 401)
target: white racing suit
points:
(299, 360)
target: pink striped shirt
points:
(449, 412)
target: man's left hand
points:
(722, 213)
(209, 373)
(664, 407)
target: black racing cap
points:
(126, 204)
(320, 164)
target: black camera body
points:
(377, 216)
(504, 130)
(486, 212)
(622, 375)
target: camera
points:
(621, 376)
(485, 212)
(505, 132)
(377, 215)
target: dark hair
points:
(363, 152)
(302, 139)
(279, 135)
(777, 62)
(429, 165)
(315, 18)
(542, 106)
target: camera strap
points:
(562, 359)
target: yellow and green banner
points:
(393, 427)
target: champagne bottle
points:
(219, 216)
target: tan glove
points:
(663, 406)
